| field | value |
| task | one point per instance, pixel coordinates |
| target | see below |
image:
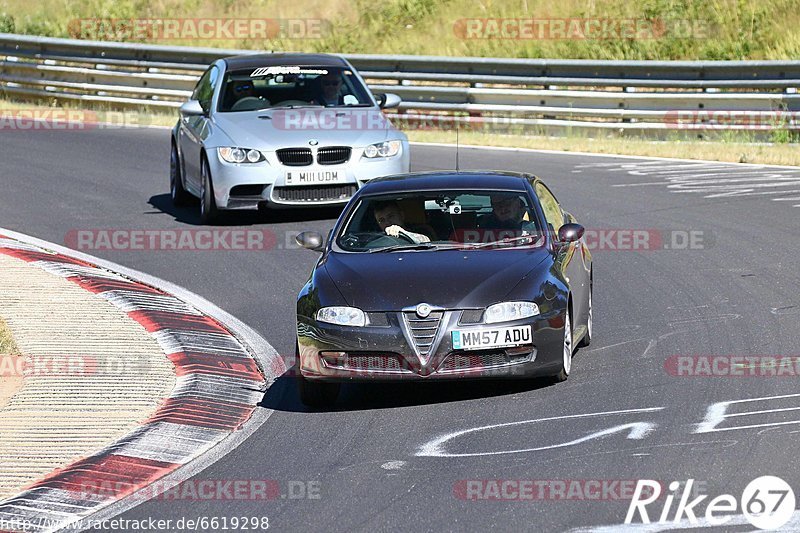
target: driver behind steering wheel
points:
(391, 219)
(246, 97)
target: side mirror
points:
(311, 240)
(570, 233)
(192, 108)
(388, 100)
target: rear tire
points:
(566, 350)
(208, 205)
(179, 195)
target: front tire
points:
(316, 394)
(208, 205)
(179, 195)
(566, 350)
(264, 212)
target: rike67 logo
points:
(767, 503)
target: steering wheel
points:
(365, 238)
(250, 103)
(405, 237)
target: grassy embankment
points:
(713, 29)
(722, 29)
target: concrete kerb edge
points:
(262, 352)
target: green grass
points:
(731, 149)
(7, 345)
(10, 380)
(723, 29)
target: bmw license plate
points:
(313, 177)
(491, 338)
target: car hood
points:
(450, 279)
(269, 130)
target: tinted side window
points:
(552, 211)
(204, 90)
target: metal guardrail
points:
(639, 97)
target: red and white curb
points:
(223, 369)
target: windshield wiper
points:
(508, 240)
(294, 106)
(420, 246)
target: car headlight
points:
(384, 149)
(507, 311)
(342, 316)
(240, 155)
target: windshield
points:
(441, 220)
(291, 87)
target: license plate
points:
(313, 177)
(491, 338)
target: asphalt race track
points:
(732, 292)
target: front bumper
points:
(388, 352)
(245, 186)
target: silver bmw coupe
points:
(281, 130)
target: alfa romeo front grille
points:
(461, 361)
(365, 362)
(423, 330)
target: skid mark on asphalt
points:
(767, 412)
(689, 319)
(616, 345)
(786, 310)
(393, 465)
(633, 430)
(712, 180)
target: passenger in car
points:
(508, 213)
(328, 89)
